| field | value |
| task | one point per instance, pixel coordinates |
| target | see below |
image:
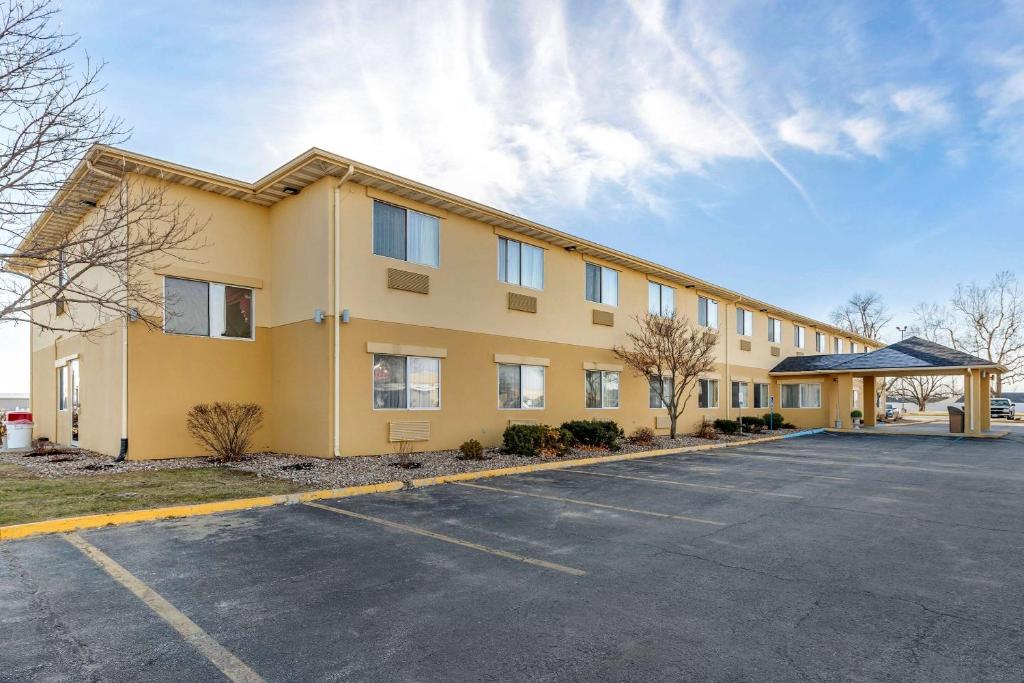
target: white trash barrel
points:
(19, 434)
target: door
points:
(73, 381)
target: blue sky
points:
(794, 151)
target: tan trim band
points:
(212, 276)
(61, 362)
(509, 359)
(607, 367)
(406, 350)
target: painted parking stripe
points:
(231, 666)
(731, 489)
(818, 461)
(596, 505)
(454, 541)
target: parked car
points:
(893, 411)
(1004, 408)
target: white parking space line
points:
(731, 489)
(454, 541)
(591, 504)
(231, 666)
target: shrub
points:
(752, 424)
(600, 433)
(642, 435)
(225, 429)
(775, 420)
(523, 439)
(556, 441)
(856, 414)
(472, 450)
(706, 430)
(727, 426)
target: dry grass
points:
(25, 497)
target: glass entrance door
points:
(75, 404)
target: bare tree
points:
(672, 353)
(993, 323)
(983, 320)
(923, 390)
(864, 314)
(50, 118)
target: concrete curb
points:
(918, 432)
(66, 524)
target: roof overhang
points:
(924, 371)
(102, 166)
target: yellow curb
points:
(919, 432)
(51, 526)
(65, 524)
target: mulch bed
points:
(322, 473)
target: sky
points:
(797, 152)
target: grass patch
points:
(25, 497)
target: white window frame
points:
(747, 319)
(820, 342)
(653, 287)
(837, 345)
(63, 389)
(704, 305)
(801, 395)
(799, 336)
(602, 373)
(744, 394)
(408, 384)
(407, 212)
(210, 285)
(774, 330)
(544, 385)
(602, 270)
(521, 244)
(853, 347)
(717, 401)
(664, 396)
(767, 395)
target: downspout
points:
(336, 309)
(122, 453)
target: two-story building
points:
(360, 309)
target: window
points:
(819, 342)
(798, 336)
(63, 388)
(207, 309)
(602, 389)
(801, 395)
(760, 395)
(660, 391)
(405, 234)
(744, 322)
(856, 398)
(602, 285)
(708, 397)
(62, 268)
(853, 347)
(774, 331)
(661, 300)
(520, 387)
(520, 263)
(406, 383)
(837, 345)
(739, 395)
(707, 312)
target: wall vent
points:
(745, 345)
(662, 422)
(408, 281)
(606, 318)
(408, 431)
(776, 351)
(530, 423)
(522, 302)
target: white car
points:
(893, 411)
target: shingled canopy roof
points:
(903, 358)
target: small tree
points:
(225, 429)
(670, 350)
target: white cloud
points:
(867, 134)
(1003, 99)
(809, 130)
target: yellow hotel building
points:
(360, 308)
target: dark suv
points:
(1004, 408)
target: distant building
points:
(14, 401)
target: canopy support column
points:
(985, 401)
(972, 401)
(870, 407)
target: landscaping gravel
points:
(337, 473)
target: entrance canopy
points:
(913, 357)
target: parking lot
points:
(831, 556)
